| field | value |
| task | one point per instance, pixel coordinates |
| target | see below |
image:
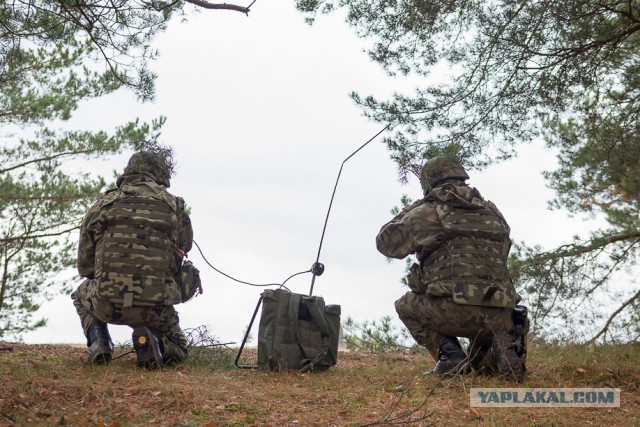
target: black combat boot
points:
(100, 344)
(172, 353)
(505, 354)
(451, 358)
(148, 347)
(480, 357)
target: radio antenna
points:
(318, 268)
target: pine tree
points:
(48, 56)
(497, 74)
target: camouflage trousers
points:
(164, 319)
(429, 319)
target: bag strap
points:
(318, 318)
(294, 308)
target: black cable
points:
(122, 355)
(293, 275)
(317, 268)
(242, 281)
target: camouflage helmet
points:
(156, 165)
(439, 169)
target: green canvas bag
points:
(297, 332)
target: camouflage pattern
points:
(156, 165)
(461, 241)
(131, 247)
(91, 307)
(98, 234)
(429, 319)
(189, 280)
(461, 286)
(134, 253)
(439, 169)
(472, 258)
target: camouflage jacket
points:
(461, 241)
(132, 242)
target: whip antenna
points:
(318, 268)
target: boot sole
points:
(462, 369)
(147, 348)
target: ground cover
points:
(51, 385)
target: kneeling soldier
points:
(131, 248)
(461, 286)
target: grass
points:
(51, 385)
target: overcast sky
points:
(259, 116)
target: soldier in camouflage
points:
(131, 248)
(460, 286)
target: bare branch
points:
(206, 5)
(605, 328)
(60, 197)
(46, 158)
(574, 250)
(37, 236)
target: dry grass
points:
(50, 385)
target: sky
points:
(259, 116)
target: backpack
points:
(296, 332)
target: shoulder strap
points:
(318, 318)
(317, 315)
(294, 307)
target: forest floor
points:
(51, 385)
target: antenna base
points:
(317, 269)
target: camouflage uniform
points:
(131, 247)
(461, 286)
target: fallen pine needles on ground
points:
(51, 385)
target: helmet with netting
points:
(157, 164)
(439, 169)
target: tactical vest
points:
(133, 253)
(470, 262)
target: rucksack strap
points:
(317, 316)
(294, 308)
